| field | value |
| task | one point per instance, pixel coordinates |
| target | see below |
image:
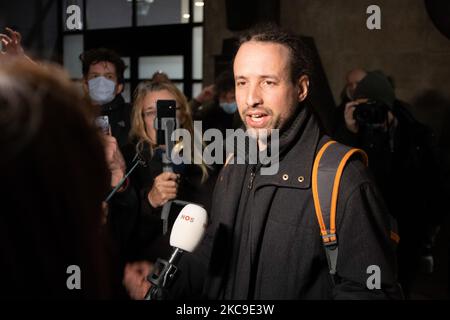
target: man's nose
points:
(254, 97)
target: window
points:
(172, 33)
(102, 14)
(158, 12)
(73, 47)
(197, 52)
(171, 65)
(127, 85)
(198, 10)
(196, 89)
(126, 93)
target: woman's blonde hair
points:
(138, 130)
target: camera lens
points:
(370, 113)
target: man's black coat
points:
(263, 240)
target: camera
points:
(371, 112)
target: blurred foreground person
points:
(54, 178)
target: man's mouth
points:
(257, 119)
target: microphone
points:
(165, 124)
(138, 159)
(187, 232)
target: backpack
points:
(328, 167)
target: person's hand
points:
(114, 159)
(12, 47)
(207, 94)
(11, 43)
(165, 188)
(350, 121)
(135, 279)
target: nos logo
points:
(187, 218)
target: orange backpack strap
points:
(327, 171)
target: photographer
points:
(402, 159)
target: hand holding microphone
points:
(135, 279)
(187, 232)
(165, 124)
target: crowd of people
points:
(263, 240)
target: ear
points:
(303, 88)
(119, 88)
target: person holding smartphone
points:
(103, 81)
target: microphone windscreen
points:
(189, 228)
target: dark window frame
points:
(136, 47)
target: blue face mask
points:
(229, 107)
(101, 90)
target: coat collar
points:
(298, 145)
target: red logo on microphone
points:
(187, 218)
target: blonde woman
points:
(188, 182)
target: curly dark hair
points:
(94, 56)
(300, 63)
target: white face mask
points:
(101, 90)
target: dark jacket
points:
(119, 115)
(264, 241)
(122, 216)
(148, 241)
(407, 171)
(123, 212)
(412, 154)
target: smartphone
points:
(164, 109)
(102, 123)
